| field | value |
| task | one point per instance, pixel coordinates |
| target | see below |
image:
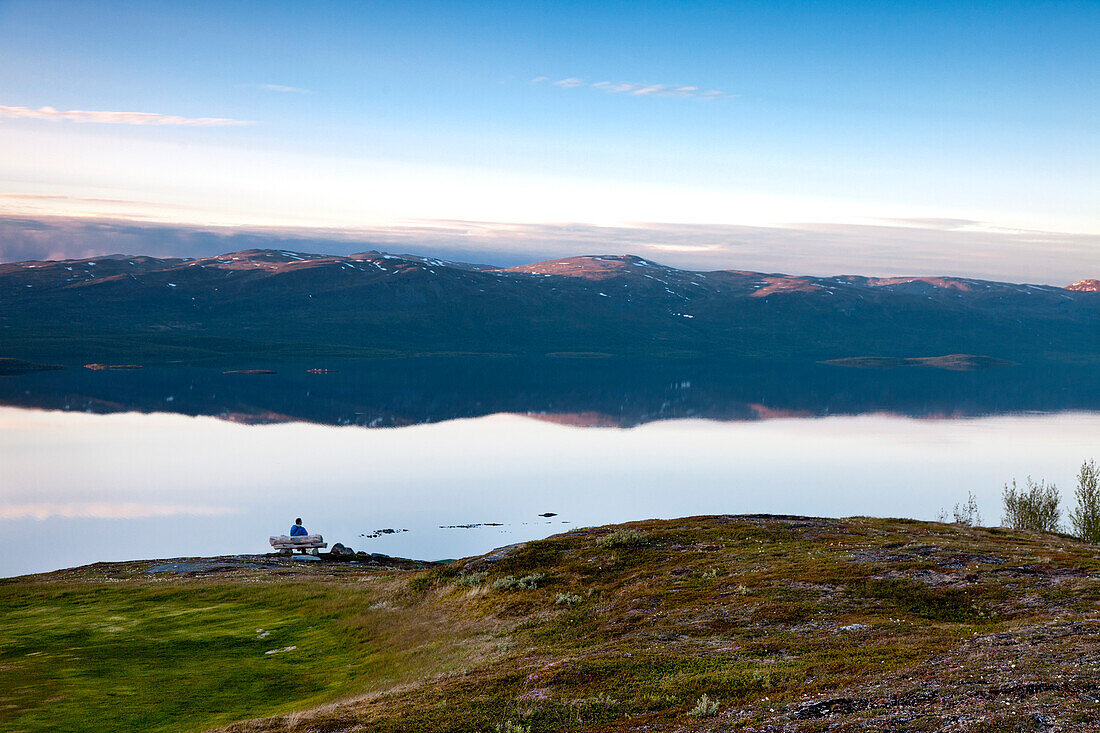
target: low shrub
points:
(568, 599)
(470, 579)
(599, 701)
(783, 613)
(937, 604)
(511, 582)
(1034, 507)
(423, 581)
(510, 727)
(704, 707)
(622, 538)
(967, 514)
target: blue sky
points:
(960, 117)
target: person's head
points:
(298, 521)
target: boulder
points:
(339, 550)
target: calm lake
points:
(175, 463)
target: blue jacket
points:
(298, 531)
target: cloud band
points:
(116, 118)
(637, 90)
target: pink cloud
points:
(116, 118)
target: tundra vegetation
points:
(967, 514)
(1085, 517)
(1037, 506)
(792, 623)
(1034, 507)
(704, 707)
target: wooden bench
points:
(308, 544)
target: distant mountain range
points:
(265, 304)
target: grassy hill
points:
(786, 623)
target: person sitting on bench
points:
(298, 530)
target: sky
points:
(825, 137)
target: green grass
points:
(146, 659)
(182, 654)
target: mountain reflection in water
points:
(597, 392)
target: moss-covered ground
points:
(787, 623)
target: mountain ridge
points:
(594, 266)
(375, 303)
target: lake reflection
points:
(80, 488)
(621, 393)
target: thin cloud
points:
(281, 88)
(638, 90)
(104, 510)
(684, 248)
(933, 223)
(614, 88)
(116, 118)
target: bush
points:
(470, 579)
(1085, 517)
(622, 538)
(967, 514)
(511, 582)
(599, 701)
(1034, 507)
(704, 707)
(510, 727)
(423, 581)
(568, 599)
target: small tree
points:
(967, 514)
(1085, 517)
(1034, 507)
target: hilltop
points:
(279, 304)
(787, 623)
